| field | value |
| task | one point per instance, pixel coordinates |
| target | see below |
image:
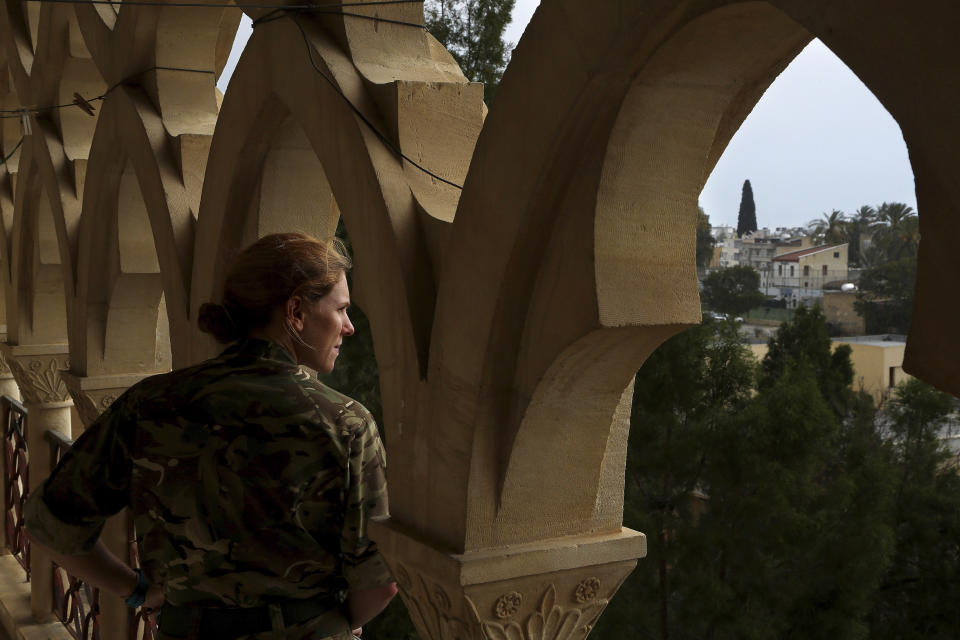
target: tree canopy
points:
(472, 31)
(766, 512)
(918, 595)
(705, 240)
(831, 228)
(805, 341)
(733, 290)
(885, 296)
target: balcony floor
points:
(16, 621)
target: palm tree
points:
(893, 213)
(829, 229)
(860, 227)
(899, 232)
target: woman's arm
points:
(367, 603)
(102, 569)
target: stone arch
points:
(642, 248)
(135, 245)
(42, 233)
(393, 278)
(653, 88)
(56, 65)
(20, 23)
(153, 45)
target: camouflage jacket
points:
(249, 482)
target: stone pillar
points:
(548, 590)
(91, 396)
(36, 369)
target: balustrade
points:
(16, 481)
(77, 604)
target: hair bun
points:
(216, 320)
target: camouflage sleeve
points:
(67, 512)
(363, 567)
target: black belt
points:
(233, 622)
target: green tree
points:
(897, 234)
(858, 227)
(734, 290)
(885, 296)
(919, 594)
(765, 513)
(687, 386)
(806, 339)
(705, 240)
(831, 228)
(472, 31)
(747, 217)
(807, 407)
(894, 213)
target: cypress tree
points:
(747, 219)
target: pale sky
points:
(817, 140)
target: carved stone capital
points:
(93, 394)
(36, 368)
(551, 590)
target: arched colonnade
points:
(508, 318)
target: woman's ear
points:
(294, 312)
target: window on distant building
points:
(893, 377)
(806, 284)
(779, 269)
(806, 269)
(824, 270)
(791, 271)
(836, 254)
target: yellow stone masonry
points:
(509, 316)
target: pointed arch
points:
(577, 219)
(153, 46)
(135, 244)
(274, 86)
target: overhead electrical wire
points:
(381, 136)
(18, 113)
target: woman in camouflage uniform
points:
(251, 483)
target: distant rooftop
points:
(793, 255)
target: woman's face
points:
(325, 323)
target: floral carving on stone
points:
(549, 622)
(39, 378)
(508, 604)
(587, 590)
(430, 607)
